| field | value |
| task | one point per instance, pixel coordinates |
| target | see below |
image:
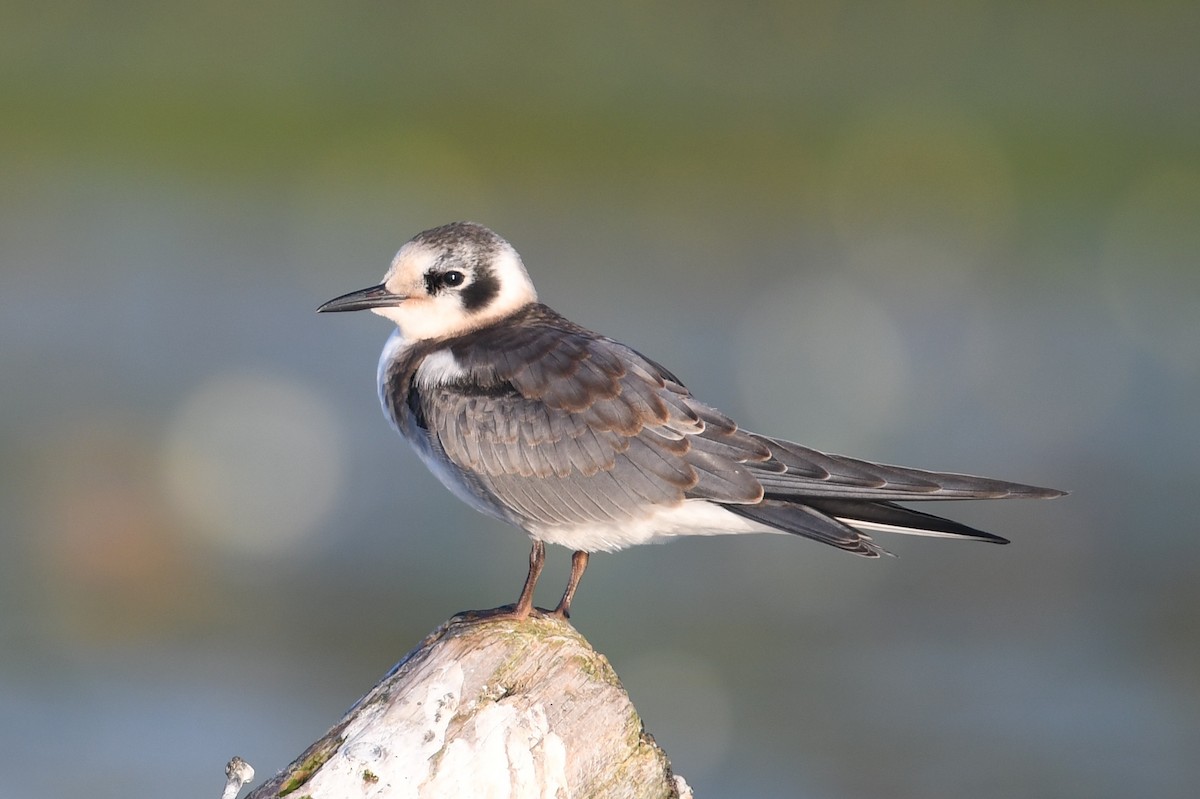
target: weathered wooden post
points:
(488, 708)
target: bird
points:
(584, 442)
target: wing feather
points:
(809, 473)
(563, 427)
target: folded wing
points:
(565, 427)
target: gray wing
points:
(833, 498)
(563, 427)
(797, 471)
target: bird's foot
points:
(523, 608)
(510, 612)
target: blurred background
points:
(959, 236)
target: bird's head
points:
(446, 281)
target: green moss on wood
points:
(303, 771)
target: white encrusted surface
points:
(488, 709)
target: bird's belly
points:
(452, 478)
(690, 517)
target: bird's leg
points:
(537, 559)
(579, 562)
(523, 609)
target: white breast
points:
(438, 367)
(393, 349)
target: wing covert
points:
(563, 426)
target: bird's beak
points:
(362, 300)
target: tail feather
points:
(892, 518)
(847, 524)
(810, 523)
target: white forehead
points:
(418, 257)
(413, 258)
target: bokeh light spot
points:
(111, 564)
(253, 464)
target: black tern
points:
(583, 442)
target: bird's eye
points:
(453, 278)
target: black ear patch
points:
(481, 291)
(433, 282)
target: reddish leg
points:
(524, 606)
(537, 559)
(579, 562)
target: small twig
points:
(237, 773)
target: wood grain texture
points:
(492, 708)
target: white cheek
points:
(391, 312)
(516, 289)
(427, 317)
